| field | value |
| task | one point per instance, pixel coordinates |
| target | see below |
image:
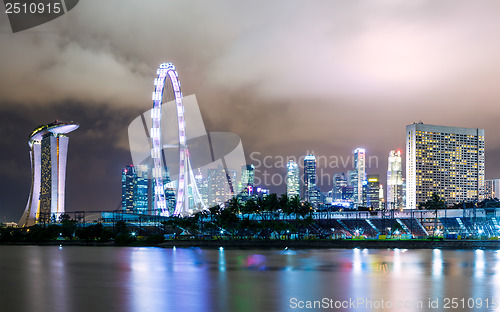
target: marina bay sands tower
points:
(48, 153)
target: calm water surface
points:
(44, 279)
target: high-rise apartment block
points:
(448, 161)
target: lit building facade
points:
(48, 153)
(394, 181)
(448, 161)
(247, 180)
(311, 192)
(135, 189)
(360, 168)
(492, 189)
(373, 191)
(220, 185)
(202, 187)
(141, 190)
(339, 184)
(128, 174)
(292, 179)
(381, 197)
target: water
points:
(43, 278)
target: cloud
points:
(286, 76)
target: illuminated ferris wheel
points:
(186, 184)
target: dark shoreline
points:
(336, 244)
(281, 244)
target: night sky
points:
(286, 76)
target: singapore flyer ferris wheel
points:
(168, 77)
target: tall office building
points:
(128, 174)
(348, 193)
(373, 191)
(48, 152)
(492, 189)
(352, 176)
(292, 179)
(360, 168)
(247, 180)
(339, 184)
(311, 192)
(381, 197)
(220, 182)
(394, 181)
(135, 188)
(141, 190)
(202, 186)
(448, 161)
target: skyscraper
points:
(360, 168)
(292, 179)
(141, 189)
(448, 161)
(311, 192)
(373, 191)
(128, 174)
(394, 181)
(48, 152)
(202, 187)
(220, 183)
(492, 189)
(135, 188)
(381, 197)
(246, 184)
(339, 184)
(352, 176)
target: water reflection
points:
(192, 279)
(437, 263)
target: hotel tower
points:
(448, 161)
(48, 152)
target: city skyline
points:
(369, 75)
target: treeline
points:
(281, 216)
(120, 233)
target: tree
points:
(234, 205)
(250, 206)
(68, 228)
(63, 217)
(434, 203)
